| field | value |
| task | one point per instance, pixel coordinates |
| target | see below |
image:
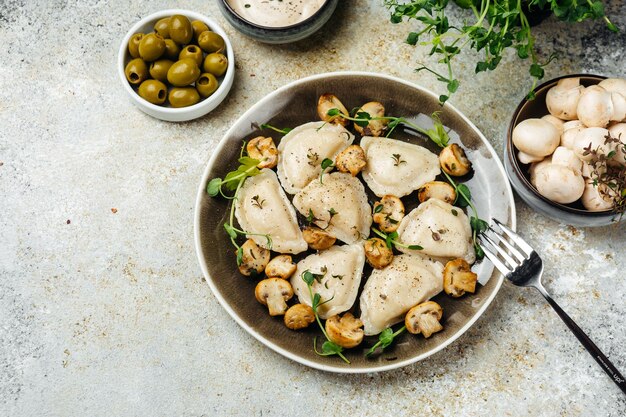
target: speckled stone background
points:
(103, 309)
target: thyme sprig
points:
(437, 133)
(329, 348)
(385, 338)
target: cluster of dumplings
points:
(557, 145)
(334, 202)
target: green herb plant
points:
(385, 339)
(491, 28)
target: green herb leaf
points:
(333, 112)
(308, 277)
(330, 348)
(412, 38)
(462, 189)
(386, 337)
(326, 163)
(415, 247)
(284, 130)
(230, 230)
(478, 225)
(378, 208)
(239, 256)
(213, 187)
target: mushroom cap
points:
(594, 199)
(281, 266)
(299, 316)
(351, 160)
(424, 318)
(559, 183)
(453, 160)
(570, 130)
(317, 238)
(537, 166)
(389, 216)
(274, 292)
(594, 136)
(458, 278)
(619, 107)
(263, 149)
(346, 331)
(614, 85)
(440, 190)
(562, 99)
(374, 127)
(536, 137)
(558, 123)
(524, 158)
(595, 107)
(567, 158)
(377, 253)
(618, 130)
(327, 102)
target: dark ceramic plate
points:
(293, 105)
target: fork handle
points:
(591, 347)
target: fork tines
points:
(505, 255)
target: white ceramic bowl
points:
(171, 114)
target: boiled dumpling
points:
(339, 271)
(390, 292)
(441, 229)
(338, 204)
(397, 168)
(262, 207)
(301, 152)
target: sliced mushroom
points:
(282, 266)
(536, 137)
(388, 213)
(374, 127)
(346, 331)
(352, 160)
(254, 258)
(453, 160)
(437, 189)
(328, 102)
(299, 316)
(562, 99)
(377, 253)
(263, 149)
(274, 293)
(424, 318)
(317, 238)
(458, 278)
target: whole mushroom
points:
(281, 266)
(373, 127)
(299, 316)
(556, 122)
(453, 160)
(458, 278)
(594, 137)
(618, 131)
(570, 130)
(614, 85)
(567, 158)
(424, 318)
(559, 183)
(596, 198)
(274, 293)
(595, 107)
(346, 331)
(536, 137)
(562, 99)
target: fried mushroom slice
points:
(263, 149)
(274, 293)
(377, 253)
(439, 190)
(374, 127)
(424, 318)
(453, 160)
(282, 266)
(351, 160)
(299, 316)
(346, 331)
(458, 278)
(389, 216)
(254, 258)
(317, 238)
(327, 102)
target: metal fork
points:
(519, 262)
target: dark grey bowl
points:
(574, 214)
(285, 34)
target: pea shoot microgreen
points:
(329, 348)
(233, 182)
(437, 133)
(283, 131)
(385, 339)
(326, 163)
(391, 239)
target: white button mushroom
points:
(536, 167)
(619, 107)
(562, 99)
(595, 198)
(594, 137)
(536, 137)
(618, 131)
(570, 130)
(595, 107)
(524, 158)
(559, 183)
(567, 158)
(614, 85)
(558, 123)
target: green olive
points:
(136, 71)
(162, 27)
(180, 29)
(154, 91)
(151, 47)
(183, 97)
(194, 52)
(215, 64)
(183, 72)
(206, 84)
(158, 69)
(211, 42)
(198, 27)
(172, 50)
(133, 44)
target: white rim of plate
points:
(278, 349)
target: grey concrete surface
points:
(103, 308)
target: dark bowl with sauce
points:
(278, 34)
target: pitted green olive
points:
(194, 52)
(183, 72)
(154, 91)
(215, 64)
(183, 97)
(206, 84)
(133, 45)
(181, 31)
(158, 69)
(172, 50)
(211, 42)
(151, 47)
(162, 27)
(136, 71)
(198, 27)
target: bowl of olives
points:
(176, 65)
